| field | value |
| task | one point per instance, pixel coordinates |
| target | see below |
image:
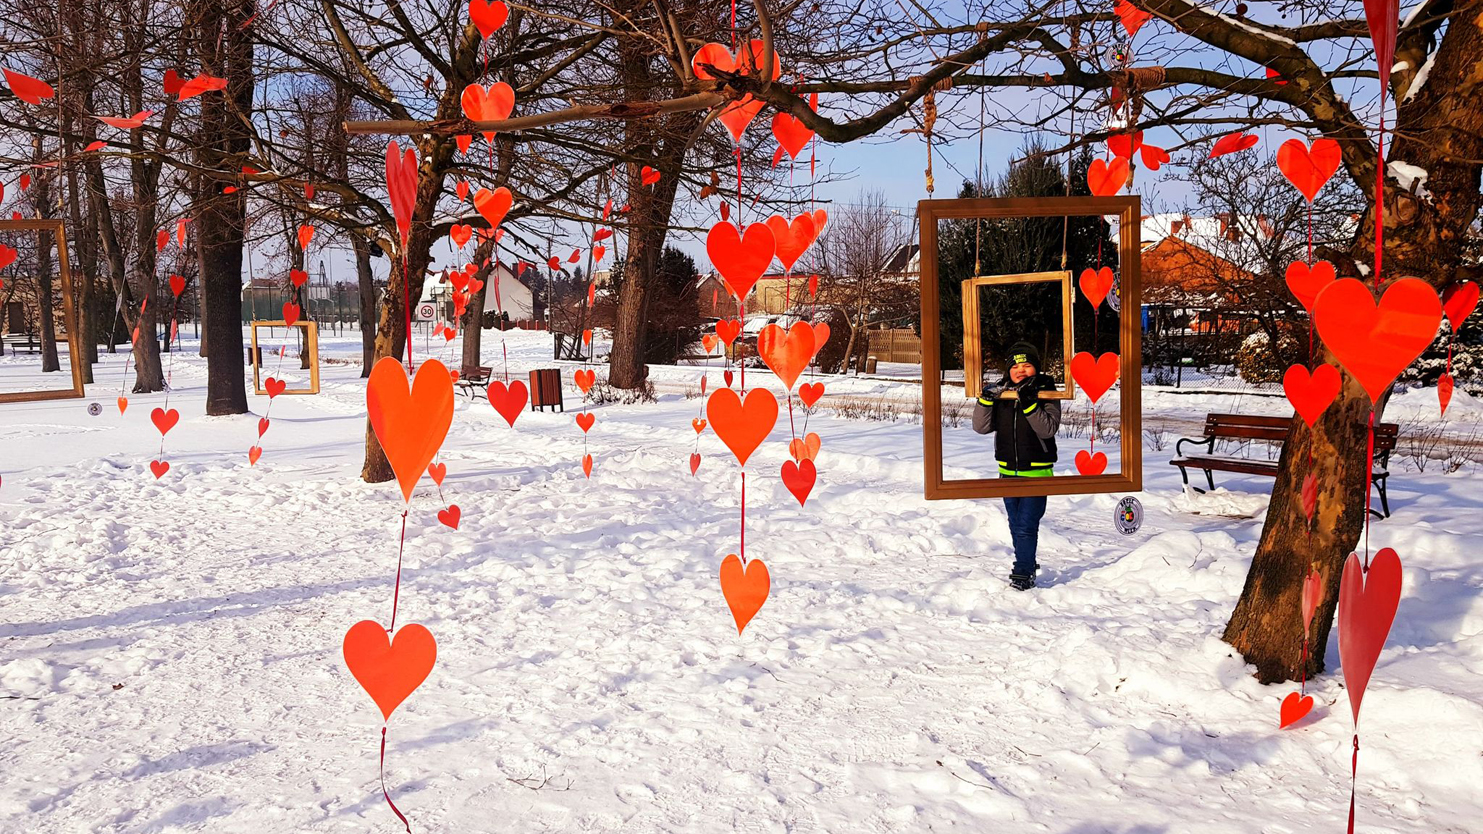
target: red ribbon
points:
(1353, 776)
(408, 825)
(397, 591)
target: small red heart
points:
(274, 386)
(584, 378)
(262, 426)
(1233, 142)
(1311, 394)
(1123, 145)
(1089, 464)
(728, 330)
(450, 516)
(1458, 302)
(694, 462)
(1444, 390)
(1310, 495)
(698, 424)
(164, 420)
(1307, 282)
(1294, 707)
(726, 375)
(1367, 606)
(437, 471)
(799, 478)
(1153, 156)
(648, 176)
(159, 468)
(810, 392)
(177, 285)
(745, 588)
(462, 188)
(1094, 375)
(173, 82)
(290, 314)
(123, 404)
(587, 465)
(740, 258)
(1095, 284)
(298, 276)
(253, 454)
(488, 15)
(554, 262)
(1309, 168)
(585, 420)
(28, 89)
(389, 669)
(509, 402)
(460, 233)
(306, 234)
(1105, 180)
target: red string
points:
(407, 303)
(394, 810)
(1353, 777)
(1369, 482)
(397, 590)
(744, 518)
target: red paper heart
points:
(698, 424)
(262, 426)
(1095, 284)
(410, 421)
(401, 184)
(584, 378)
(745, 588)
(1367, 606)
(123, 404)
(792, 134)
(740, 258)
(799, 478)
(587, 465)
(786, 353)
(1310, 495)
(298, 276)
(437, 472)
(177, 285)
(585, 420)
(1105, 180)
(810, 392)
(805, 448)
(726, 375)
(727, 330)
(1374, 342)
(1308, 168)
(488, 104)
(509, 402)
(694, 462)
(1294, 707)
(172, 82)
(1307, 282)
(306, 234)
(1458, 302)
(1123, 145)
(253, 454)
(7, 255)
(1311, 394)
(1444, 390)
(450, 516)
(1312, 595)
(737, 115)
(648, 176)
(791, 239)
(1094, 375)
(1131, 16)
(164, 420)
(493, 205)
(1153, 157)
(389, 669)
(1089, 464)
(202, 83)
(742, 426)
(460, 234)
(488, 15)
(462, 189)
(159, 468)
(274, 386)
(28, 89)
(1233, 142)
(290, 314)
(725, 211)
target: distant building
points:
(1191, 267)
(509, 294)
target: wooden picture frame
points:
(1129, 477)
(312, 334)
(972, 344)
(58, 228)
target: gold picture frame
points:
(311, 334)
(1129, 477)
(972, 344)
(69, 313)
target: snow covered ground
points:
(170, 650)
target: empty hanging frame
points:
(26, 298)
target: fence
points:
(895, 346)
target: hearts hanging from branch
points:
(1094, 374)
(488, 104)
(510, 401)
(737, 115)
(410, 421)
(401, 184)
(126, 123)
(1307, 282)
(1095, 284)
(1153, 156)
(742, 426)
(28, 89)
(799, 478)
(1375, 342)
(389, 669)
(790, 131)
(1311, 394)
(1383, 17)
(1308, 168)
(172, 82)
(306, 234)
(728, 329)
(493, 205)
(745, 588)
(791, 238)
(740, 258)
(1105, 179)
(1367, 606)
(460, 234)
(298, 277)
(786, 353)
(1458, 302)
(648, 176)
(1232, 143)
(488, 16)
(177, 285)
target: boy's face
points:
(1020, 372)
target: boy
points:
(1025, 448)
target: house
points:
(509, 294)
(773, 293)
(1192, 267)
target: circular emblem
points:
(95, 409)
(1128, 516)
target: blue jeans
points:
(1024, 530)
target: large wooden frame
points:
(972, 344)
(312, 332)
(1129, 478)
(58, 229)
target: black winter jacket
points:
(1027, 433)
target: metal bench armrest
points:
(1207, 442)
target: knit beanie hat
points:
(1023, 351)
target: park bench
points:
(29, 341)
(1246, 427)
(473, 381)
(545, 389)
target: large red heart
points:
(585, 420)
(1095, 284)
(460, 233)
(810, 392)
(1094, 375)
(728, 329)
(745, 588)
(274, 386)
(410, 421)
(401, 184)
(1307, 282)
(792, 134)
(584, 378)
(509, 402)
(737, 115)
(164, 420)
(488, 16)
(1089, 464)
(1367, 606)
(488, 104)
(1311, 394)
(1308, 168)
(1294, 707)
(791, 239)
(1106, 180)
(493, 205)
(1458, 301)
(159, 468)
(799, 478)
(740, 258)
(1374, 342)
(389, 669)
(786, 353)
(742, 426)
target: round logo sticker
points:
(95, 409)
(1128, 516)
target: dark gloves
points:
(1028, 393)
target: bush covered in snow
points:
(1256, 362)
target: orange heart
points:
(1094, 375)
(821, 335)
(799, 478)
(1233, 142)
(1458, 302)
(805, 448)
(821, 219)
(1106, 180)
(1095, 284)
(1307, 282)
(509, 402)
(1089, 464)
(587, 465)
(450, 516)
(585, 420)
(460, 233)
(694, 462)
(274, 386)
(253, 454)
(32, 90)
(1153, 157)
(1309, 168)
(1312, 595)
(123, 404)
(306, 234)
(438, 471)
(708, 341)
(745, 588)
(698, 424)
(410, 421)
(791, 239)
(728, 329)
(159, 468)
(584, 379)
(810, 392)
(164, 420)
(487, 15)
(1375, 342)
(401, 185)
(742, 426)
(1445, 384)
(1294, 707)
(1311, 394)
(740, 258)
(493, 205)
(462, 189)
(389, 669)
(488, 104)
(786, 353)
(177, 284)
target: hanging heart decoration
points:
(164, 420)
(1095, 284)
(488, 16)
(437, 471)
(1367, 604)
(1309, 167)
(1294, 707)
(488, 104)
(786, 353)
(1311, 394)
(1310, 495)
(737, 115)
(1091, 464)
(740, 258)
(1307, 282)
(1375, 342)
(745, 588)
(290, 314)
(1131, 17)
(584, 378)
(1153, 157)
(1104, 179)
(805, 448)
(694, 462)
(792, 134)
(460, 234)
(585, 420)
(493, 205)
(1233, 142)
(410, 421)
(159, 468)
(793, 238)
(389, 669)
(728, 329)
(742, 426)
(1458, 302)
(28, 89)
(451, 516)
(306, 234)
(274, 386)
(799, 478)
(1094, 374)
(1445, 384)
(1123, 145)
(508, 401)
(401, 184)
(253, 455)
(1311, 596)
(810, 392)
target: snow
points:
(171, 649)
(1421, 75)
(1411, 177)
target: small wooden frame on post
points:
(311, 334)
(1129, 477)
(973, 349)
(69, 313)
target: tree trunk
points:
(367, 284)
(1440, 130)
(225, 47)
(41, 195)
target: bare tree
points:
(855, 255)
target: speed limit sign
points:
(426, 311)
